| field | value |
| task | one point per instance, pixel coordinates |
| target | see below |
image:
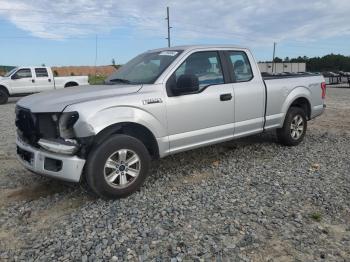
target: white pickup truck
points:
(27, 80)
(162, 102)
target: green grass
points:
(96, 80)
(316, 216)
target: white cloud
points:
(250, 20)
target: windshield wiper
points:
(120, 80)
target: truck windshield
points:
(144, 68)
(11, 72)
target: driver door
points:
(203, 114)
(22, 82)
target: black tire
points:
(285, 134)
(95, 171)
(71, 84)
(3, 97)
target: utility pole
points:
(273, 57)
(95, 56)
(169, 27)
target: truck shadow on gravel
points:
(219, 150)
(198, 162)
(13, 100)
(34, 192)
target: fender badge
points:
(152, 101)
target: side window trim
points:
(230, 65)
(224, 68)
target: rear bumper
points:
(63, 167)
(317, 111)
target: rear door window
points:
(242, 71)
(41, 72)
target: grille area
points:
(31, 127)
(26, 126)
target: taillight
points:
(323, 87)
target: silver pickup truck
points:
(161, 102)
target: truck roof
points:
(191, 47)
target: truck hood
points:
(58, 100)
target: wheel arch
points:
(2, 87)
(71, 83)
(298, 97)
(304, 104)
(135, 130)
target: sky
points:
(65, 32)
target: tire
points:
(294, 127)
(3, 97)
(117, 167)
(70, 84)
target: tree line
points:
(332, 62)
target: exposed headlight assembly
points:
(66, 123)
(60, 146)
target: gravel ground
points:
(247, 200)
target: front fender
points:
(114, 115)
(5, 86)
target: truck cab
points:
(32, 79)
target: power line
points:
(55, 23)
(73, 13)
(76, 12)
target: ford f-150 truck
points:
(27, 80)
(162, 102)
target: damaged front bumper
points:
(64, 167)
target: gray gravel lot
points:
(247, 200)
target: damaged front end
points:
(51, 131)
(47, 144)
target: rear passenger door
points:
(249, 90)
(43, 81)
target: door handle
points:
(33, 80)
(49, 80)
(225, 97)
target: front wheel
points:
(3, 97)
(294, 127)
(117, 167)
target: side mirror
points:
(186, 84)
(14, 76)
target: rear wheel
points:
(117, 167)
(294, 127)
(3, 97)
(70, 84)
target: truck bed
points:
(281, 91)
